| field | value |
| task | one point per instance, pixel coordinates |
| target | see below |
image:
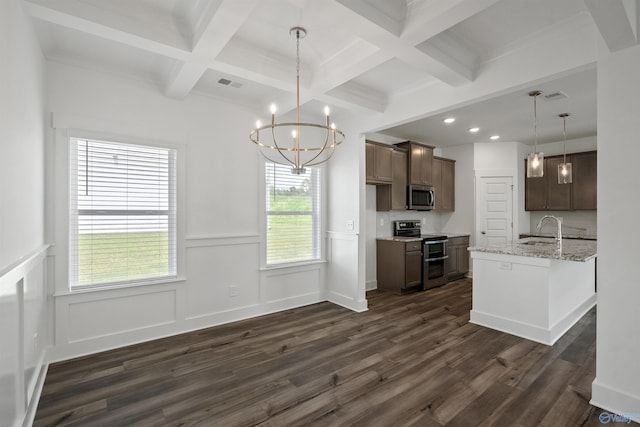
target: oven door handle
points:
(435, 242)
(436, 259)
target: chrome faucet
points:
(558, 221)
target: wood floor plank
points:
(410, 360)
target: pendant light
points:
(565, 173)
(535, 160)
(297, 144)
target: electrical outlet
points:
(505, 266)
(350, 224)
(233, 291)
(381, 222)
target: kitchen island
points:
(533, 288)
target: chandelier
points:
(535, 160)
(297, 144)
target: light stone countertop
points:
(538, 247)
(401, 239)
(417, 239)
(564, 236)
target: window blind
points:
(122, 213)
(293, 214)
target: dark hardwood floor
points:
(411, 360)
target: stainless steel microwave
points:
(421, 197)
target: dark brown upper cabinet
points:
(545, 194)
(420, 166)
(378, 163)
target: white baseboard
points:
(547, 336)
(346, 302)
(110, 342)
(371, 285)
(32, 407)
(615, 401)
(513, 327)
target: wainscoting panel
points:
(89, 320)
(23, 337)
(286, 283)
(222, 277)
(343, 281)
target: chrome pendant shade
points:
(297, 144)
(535, 160)
(565, 170)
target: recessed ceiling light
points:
(449, 120)
(494, 137)
(474, 130)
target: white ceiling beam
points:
(422, 24)
(225, 18)
(73, 15)
(375, 12)
(426, 19)
(617, 29)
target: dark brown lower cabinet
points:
(458, 261)
(399, 265)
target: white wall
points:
(347, 223)
(219, 211)
(505, 159)
(462, 220)
(23, 303)
(617, 385)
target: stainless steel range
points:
(434, 252)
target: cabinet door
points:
(399, 181)
(558, 195)
(463, 259)
(437, 183)
(370, 151)
(427, 165)
(383, 166)
(452, 261)
(413, 268)
(448, 193)
(378, 164)
(416, 167)
(585, 177)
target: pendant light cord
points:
(564, 143)
(535, 123)
(297, 138)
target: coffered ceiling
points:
(357, 56)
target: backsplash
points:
(581, 219)
(384, 221)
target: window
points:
(293, 214)
(122, 213)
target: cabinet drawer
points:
(455, 241)
(413, 246)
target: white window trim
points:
(263, 222)
(61, 192)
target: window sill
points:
(133, 285)
(292, 265)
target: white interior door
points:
(494, 207)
